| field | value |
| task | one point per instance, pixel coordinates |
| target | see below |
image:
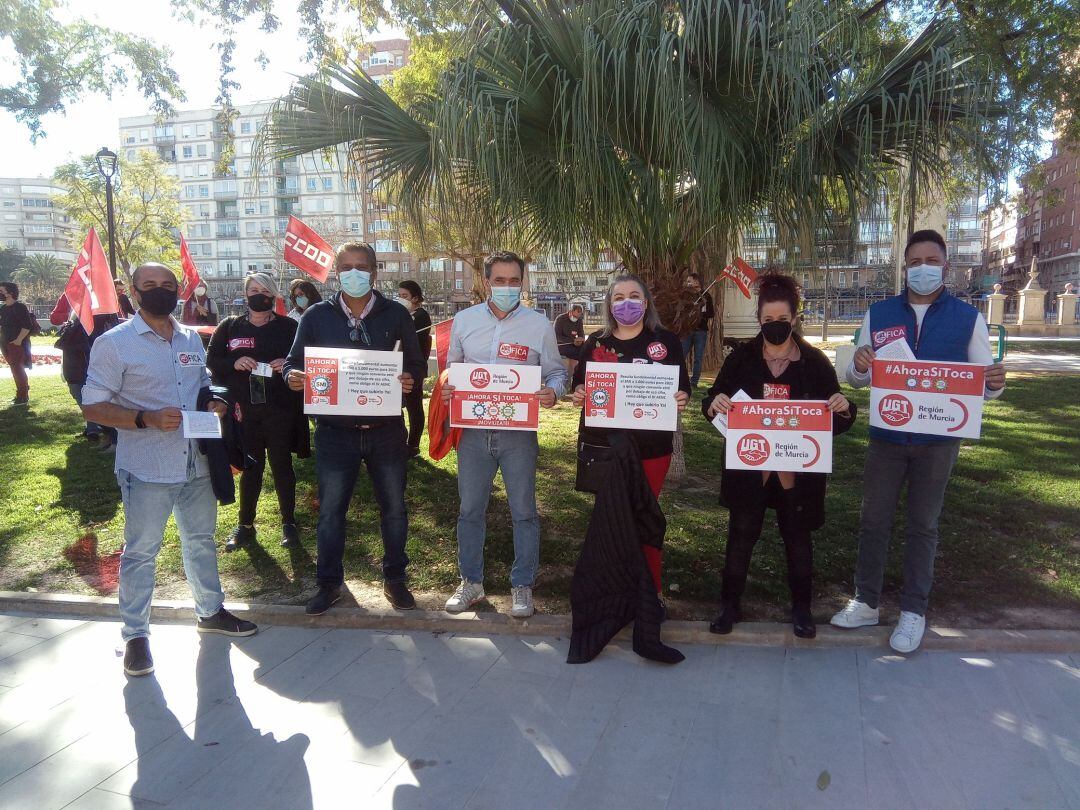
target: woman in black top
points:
(776, 364)
(634, 335)
(245, 354)
(412, 298)
(16, 326)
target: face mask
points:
(574, 319)
(355, 283)
(628, 311)
(405, 302)
(158, 301)
(925, 279)
(301, 301)
(260, 302)
(505, 298)
(776, 332)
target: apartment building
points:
(999, 251)
(1048, 225)
(29, 221)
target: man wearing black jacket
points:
(359, 317)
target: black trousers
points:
(744, 529)
(268, 432)
(414, 406)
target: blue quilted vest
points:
(946, 333)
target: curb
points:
(753, 634)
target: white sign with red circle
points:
(764, 434)
(631, 395)
(352, 382)
(928, 397)
(496, 397)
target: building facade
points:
(29, 221)
(1048, 225)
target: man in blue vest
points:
(936, 326)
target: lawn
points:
(1010, 550)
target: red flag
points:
(742, 274)
(442, 342)
(191, 278)
(279, 306)
(90, 289)
(305, 249)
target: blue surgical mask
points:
(355, 283)
(505, 298)
(925, 279)
(301, 301)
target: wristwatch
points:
(139, 423)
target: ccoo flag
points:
(90, 289)
(308, 251)
(742, 274)
(191, 278)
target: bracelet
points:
(139, 423)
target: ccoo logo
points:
(895, 409)
(753, 449)
(480, 378)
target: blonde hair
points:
(263, 280)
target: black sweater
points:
(422, 321)
(237, 337)
(649, 443)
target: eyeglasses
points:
(359, 332)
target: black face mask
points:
(776, 332)
(260, 302)
(158, 301)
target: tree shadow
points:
(88, 487)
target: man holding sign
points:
(918, 411)
(344, 360)
(500, 336)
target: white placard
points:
(352, 382)
(720, 420)
(774, 434)
(640, 396)
(495, 397)
(201, 425)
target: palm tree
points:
(41, 278)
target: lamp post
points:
(107, 163)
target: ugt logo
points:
(753, 449)
(480, 378)
(895, 410)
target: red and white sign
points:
(352, 382)
(639, 396)
(512, 351)
(776, 391)
(496, 397)
(657, 351)
(793, 436)
(742, 274)
(241, 343)
(883, 336)
(442, 342)
(191, 278)
(926, 396)
(90, 290)
(306, 250)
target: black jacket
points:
(325, 325)
(75, 346)
(218, 453)
(812, 377)
(612, 585)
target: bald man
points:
(143, 375)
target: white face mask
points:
(405, 302)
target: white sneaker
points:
(466, 595)
(521, 602)
(855, 614)
(908, 634)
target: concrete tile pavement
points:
(306, 717)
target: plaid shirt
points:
(134, 367)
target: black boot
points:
(802, 620)
(731, 589)
(241, 536)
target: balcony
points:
(225, 191)
(228, 212)
(228, 232)
(228, 253)
(288, 167)
(164, 140)
(286, 208)
(287, 189)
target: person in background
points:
(143, 375)
(302, 295)
(359, 317)
(501, 330)
(699, 337)
(242, 349)
(411, 297)
(570, 335)
(936, 326)
(200, 309)
(774, 365)
(126, 309)
(16, 325)
(634, 334)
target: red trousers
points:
(13, 353)
(655, 470)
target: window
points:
(204, 170)
(245, 127)
(249, 228)
(854, 278)
(249, 207)
(405, 268)
(185, 131)
(186, 152)
(312, 184)
(841, 279)
(264, 207)
(200, 130)
(144, 135)
(200, 150)
(459, 284)
(328, 184)
(377, 225)
(204, 191)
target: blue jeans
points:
(338, 455)
(481, 453)
(697, 340)
(147, 508)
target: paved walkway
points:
(301, 717)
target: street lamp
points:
(107, 164)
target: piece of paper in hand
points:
(896, 350)
(263, 370)
(201, 425)
(720, 420)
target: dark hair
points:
(362, 247)
(503, 256)
(298, 285)
(927, 235)
(12, 288)
(773, 286)
(695, 276)
(412, 288)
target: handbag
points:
(593, 467)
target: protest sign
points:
(498, 397)
(352, 382)
(793, 435)
(931, 397)
(631, 395)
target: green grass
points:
(1065, 346)
(1010, 530)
